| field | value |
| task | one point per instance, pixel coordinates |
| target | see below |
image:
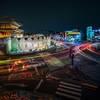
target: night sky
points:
(56, 15)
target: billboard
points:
(72, 36)
(73, 32)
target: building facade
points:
(89, 33)
(72, 36)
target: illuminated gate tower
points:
(8, 26)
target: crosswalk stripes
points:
(71, 84)
(69, 90)
(68, 96)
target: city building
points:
(93, 34)
(72, 36)
(89, 33)
(96, 34)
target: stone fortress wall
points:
(27, 44)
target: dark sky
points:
(57, 15)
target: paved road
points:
(89, 63)
(64, 82)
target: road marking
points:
(69, 91)
(71, 88)
(71, 84)
(68, 96)
(39, 84)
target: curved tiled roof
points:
(7, 20)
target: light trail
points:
(89, 57)
(59, 55)
(76, 50)
(64, 51)
(93, 50)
